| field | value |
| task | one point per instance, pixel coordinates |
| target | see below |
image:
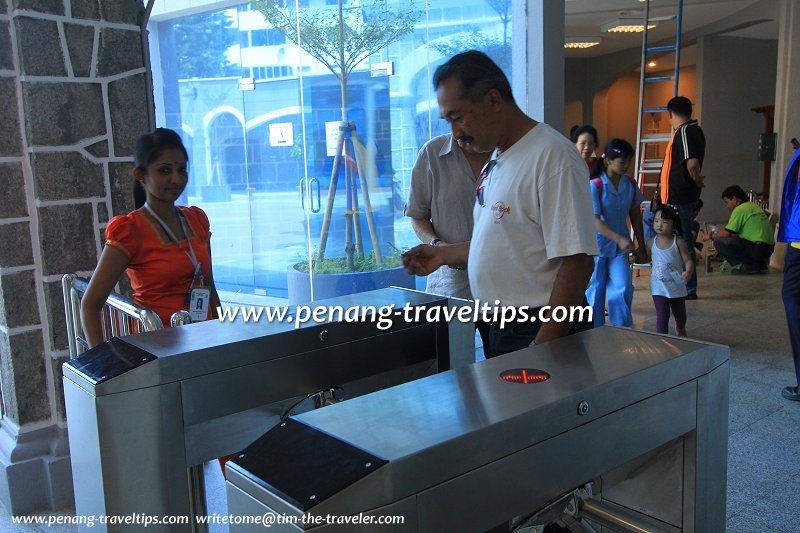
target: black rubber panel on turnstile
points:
(110, 359)
(302, 465)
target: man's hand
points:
(423, 259)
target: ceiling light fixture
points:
(582, 42)
(651, 64)
(626, 25)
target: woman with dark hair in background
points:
(585, 139)
(165, 249)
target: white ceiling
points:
(584, 18)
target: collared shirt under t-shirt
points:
(443, 191)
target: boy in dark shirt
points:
(680, 176)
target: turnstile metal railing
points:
(119, 317)
(143, 409)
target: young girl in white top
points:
(672, 268)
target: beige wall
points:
(615, 108)
(573, 114)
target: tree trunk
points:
(326, 219)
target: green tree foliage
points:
(202, 42)
(473, 39)
(340, 37)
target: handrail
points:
(119, 316)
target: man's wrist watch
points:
(434, 242)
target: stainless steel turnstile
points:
(143, 409)
(636, 421)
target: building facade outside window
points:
(259, 117)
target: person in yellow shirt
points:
(747, 241)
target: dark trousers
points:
(484, 328)
(685, 214)
(518, 335)
(737, 251)
(791, 302)
(663, 306)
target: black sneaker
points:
(691, 296)
(791, 393)
(747, 270)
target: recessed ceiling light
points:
(651, 64)
(582, 42)
(627, 25)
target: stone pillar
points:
(73, 95)
(787, 105)
(545, 51)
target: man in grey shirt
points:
(440, 203)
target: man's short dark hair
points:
(734, 191)
(681, 106)
(476, 73)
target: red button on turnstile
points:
(524, 376)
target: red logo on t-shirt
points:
(499, 209)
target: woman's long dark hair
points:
(615, 148)
(148, 147)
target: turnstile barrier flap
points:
(274, 460)
(439, 427)
(210, 347)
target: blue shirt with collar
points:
(613, 208)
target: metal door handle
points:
(302, 194)
(313, 182)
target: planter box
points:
(332, 285)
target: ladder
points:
(650, 144)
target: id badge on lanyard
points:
(199, 304)
(197, 298)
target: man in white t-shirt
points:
(534, 231)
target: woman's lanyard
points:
(191, 255)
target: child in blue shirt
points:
(616, 199)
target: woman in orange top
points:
(166, 250)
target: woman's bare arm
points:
(112, 264)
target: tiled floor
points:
(745, 313)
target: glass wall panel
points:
(287, 173)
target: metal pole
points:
(614, 519)
(197, 497)
(639, 136)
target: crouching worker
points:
(747, 241)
